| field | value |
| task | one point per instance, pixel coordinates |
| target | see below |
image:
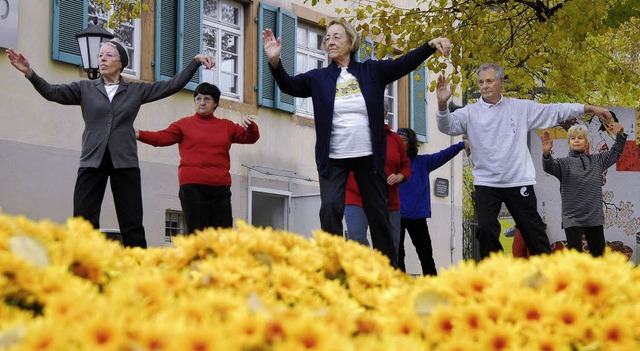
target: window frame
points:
(171, 231)
(309, 54)
(134, 61)
(239, 31)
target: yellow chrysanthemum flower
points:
(65, 287)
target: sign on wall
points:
(9, 24)
(621, 199)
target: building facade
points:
(274, 181)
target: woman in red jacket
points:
(204, 142)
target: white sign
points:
(9, 24)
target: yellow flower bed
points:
(65, 287)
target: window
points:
(185, 28)
(309, 56)
(127, 33)
(71, 17)
(173, 224)
(222, 33)
(390, 91)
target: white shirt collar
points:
(488, 105)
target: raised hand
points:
(617, 128)
(19, 62)
(442, 44)
(547, 144)
(443, 92)
(206, 60)
(247, 120)
(272, 47)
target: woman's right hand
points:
(19, 62)
(272, 47)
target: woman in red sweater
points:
(203, 143)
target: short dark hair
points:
(208, 89)
(412, 141)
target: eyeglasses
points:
(207, 99)
(335, 38)
(108, 55)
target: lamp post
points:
(89, 41)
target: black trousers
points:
(206, 206)
(127, 196)
(419, 233)
(373, 189)
(522, 204)
(594, 236)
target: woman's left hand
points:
(395, 179)
(247, 120)
(442, 44)
(206, 60)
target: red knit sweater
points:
(397, 162)
(203, 143)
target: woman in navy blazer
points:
(109, 106)
(348, 111)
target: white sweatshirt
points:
(497, 136)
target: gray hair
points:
(578, 129)
(352, 35)
(486, 66)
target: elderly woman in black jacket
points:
(109, 106)
(349, 117)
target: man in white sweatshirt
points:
(497, 128)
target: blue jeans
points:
(357, 225)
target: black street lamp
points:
(89, 41)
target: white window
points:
(173, 224)
(390, 95)
(222, 33)
(309, 56)
(127, 33)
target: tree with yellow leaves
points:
(552, 51)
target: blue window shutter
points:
(165, 65)
(418, 103)
(267, 16)
(365, 51)
(189, 36)
(69, 18)
(287, 31)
